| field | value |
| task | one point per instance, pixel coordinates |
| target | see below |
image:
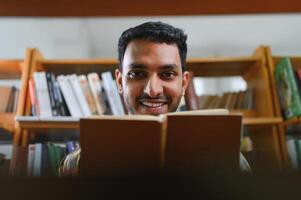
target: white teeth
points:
(152, 105)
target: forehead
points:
(151, 54)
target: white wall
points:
(207, 36)
(97, 37)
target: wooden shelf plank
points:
(33, 122)
(214, 66)
(260, 121)
(7, 121)
(10, 69)
(83, 66)
(73, 123)
(221, 66)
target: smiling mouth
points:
(152, 104)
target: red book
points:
(33, 98)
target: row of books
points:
(242, 100)
(9, 98)
(74, 95)
(294, 152)
(288, 82)
(45, 159)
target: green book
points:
(287, 89)
(52, 156)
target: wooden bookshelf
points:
(262, 120)
(9, 69)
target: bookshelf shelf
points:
(262, 121)
(244, 113)
(10, 69)
(76, 66)
(221, 66)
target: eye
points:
(136, 74)
(168, 74)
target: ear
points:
(185, 81)
(118, 78)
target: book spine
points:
(30, 161)
(96, 89)
(42, 94)
(83, 81)
(61, 101)
(69, 96)
(112, 92)
(51, 95)
(16, 101)
(33, 99)
(80, 95)
(37, 160)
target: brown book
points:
(190, 95)
(120, 145)
(208, 144)
(136, 144)
(5, 93)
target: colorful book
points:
(287, 89)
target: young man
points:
(151, 76)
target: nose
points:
(154, 87)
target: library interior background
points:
(241, 55)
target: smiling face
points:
(151, 81)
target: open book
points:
(181, 142)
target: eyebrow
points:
(142, 66)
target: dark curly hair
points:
(157, 32)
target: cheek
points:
(132, 90)
(173, 90)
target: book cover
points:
(114, 145)
(287, 89)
